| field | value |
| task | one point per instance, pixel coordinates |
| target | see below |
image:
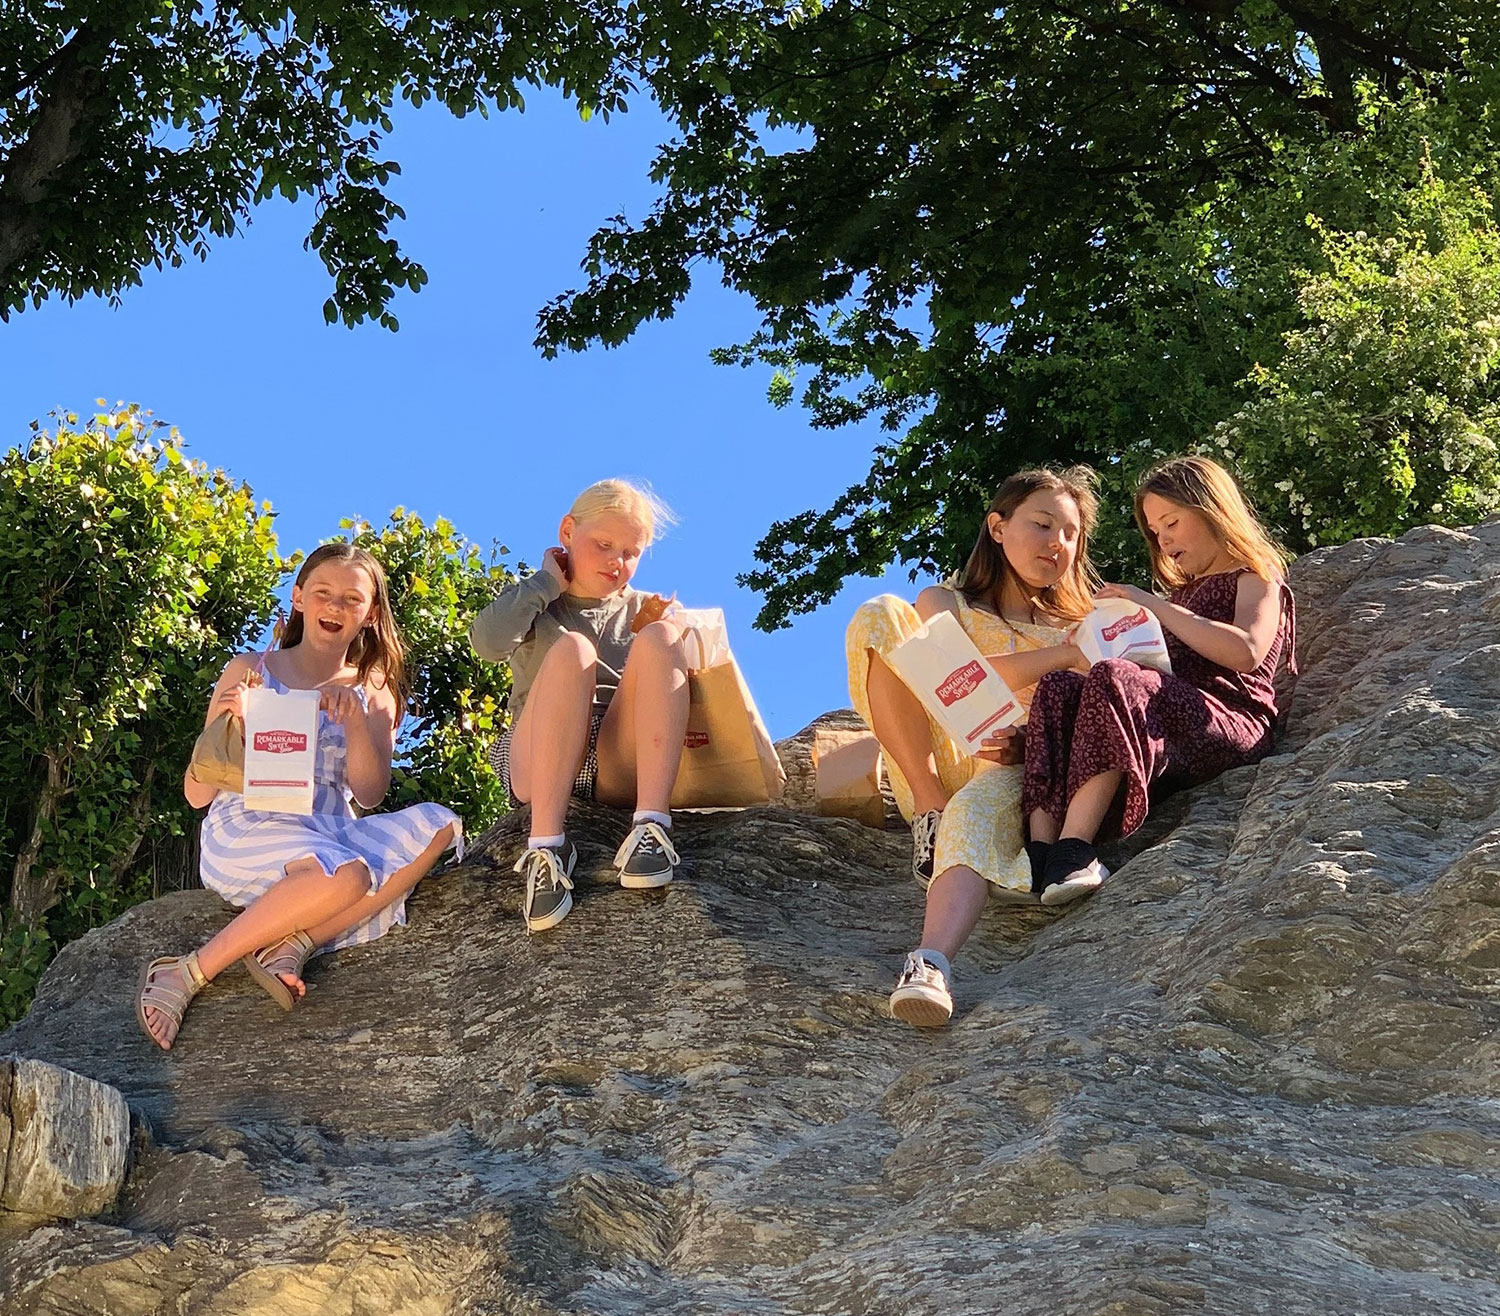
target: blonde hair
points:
(631, 500)
(984, 575)
(1207, 488)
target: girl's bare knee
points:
(660, 637)
(354, 877)
(571, 651)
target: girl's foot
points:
(167, 986)
(549, 884)
(277, 969)
(924, 830)
(646, 857)
(922, 997)
(1073, 870)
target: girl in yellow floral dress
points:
(1026, 584)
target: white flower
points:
(1284, 485)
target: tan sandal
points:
(286, 956)
(168, 997)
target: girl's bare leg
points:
(397, 887)
(955, 900)
(901, 726)
(640, 740)
(1088, 806)
(1043, 826)
(305, 895)
(551, 736)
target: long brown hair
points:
(377, 649)
(984, 575)
(1207, 488)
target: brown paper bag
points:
(219, 755)
(846, 775)
(728, 760)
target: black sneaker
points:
(549, 884)
(646, 857)
(1073, 870)
(924, 829)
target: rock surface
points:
(66, 1142)
(1255, 1074)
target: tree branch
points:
(52, 143)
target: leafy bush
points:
(1384, 411)
(128, 576)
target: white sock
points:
(537, 842)
(649, 815)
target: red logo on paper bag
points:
(1119, 628)
(695, 740)
(280, 742)
(961, 684)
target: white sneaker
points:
(1081, 883)
(921, 996)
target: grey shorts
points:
(588, 774)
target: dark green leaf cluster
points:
(132, 134)
(1030, 232)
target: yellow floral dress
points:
(981, 827)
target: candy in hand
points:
(653, 609)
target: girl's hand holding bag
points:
(219, 752)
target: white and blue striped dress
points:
(245, 852)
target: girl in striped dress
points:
(329, 879)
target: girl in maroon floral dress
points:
(1124, 730)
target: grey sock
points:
(937, 959)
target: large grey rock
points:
(1256, 1074)
(68, 1139)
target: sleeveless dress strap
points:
(1289, 608)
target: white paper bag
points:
(1118, 628)
(964, 694)
(281, 748)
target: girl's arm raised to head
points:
(369, 735)
(505, 623)
(1240, 645)
(228, 697)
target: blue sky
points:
(457, 414)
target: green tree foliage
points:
(1032, 231)
(128, 576)
(134, 133)
(439, 581)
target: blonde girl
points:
(1128, 733)
(599, 698)
(329, 879)
(1025, 585)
